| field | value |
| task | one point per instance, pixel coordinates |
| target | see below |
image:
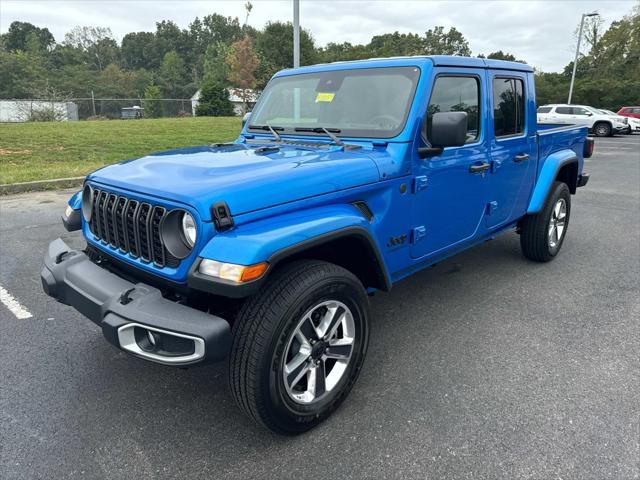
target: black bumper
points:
(583, 179)
(126, 312)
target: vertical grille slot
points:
(131, 226)
(119, 221)
(130, 221)
(144, 217)
(109, 220)
(157, 248)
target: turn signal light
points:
(231, 271)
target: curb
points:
(39, 185)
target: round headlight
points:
(189, 229)
(87, 202)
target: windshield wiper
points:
(327, 131)
(271, 129)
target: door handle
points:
(521, 157)
(479, 167)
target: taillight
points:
(589, 144)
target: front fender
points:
(275, 239)
(552, 165)
(259, 241)
(75, 201)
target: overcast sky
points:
(540, 32)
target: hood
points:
(243, 176)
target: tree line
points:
(217, 52)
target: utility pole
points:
(575, 61)
(296, 33)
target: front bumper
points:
(134, 317)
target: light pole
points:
(575, 62)
(296, 33)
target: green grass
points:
(43, 151)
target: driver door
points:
(450, 200)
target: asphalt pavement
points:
(484, 366)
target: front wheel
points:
(298, 346)
(541, 235)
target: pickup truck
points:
(347, 178)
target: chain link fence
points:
(131, 108)
(71, 109)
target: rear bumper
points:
(134, 317)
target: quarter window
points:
(508, 106)
(456, 94)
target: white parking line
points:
(615, 142)
(12, 304)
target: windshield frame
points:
(345, 133)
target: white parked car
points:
(599, 124)
(633, 124)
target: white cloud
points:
(540, 32)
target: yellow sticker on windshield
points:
(325, 97)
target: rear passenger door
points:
(513, 147)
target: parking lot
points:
(484, 366)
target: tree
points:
(274, 47)
(396, 44)
(152, 101)
(215, 63)
(242, 62)
(439, 42)
(19, 32)
(139, 51)
(96, 42)
(214, 101)
(172, 76)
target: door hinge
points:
(419, 183)
(418, 233)
(492, 207)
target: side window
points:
(635, 110)
(564, 110)
(580, 111)
(544, 109)
(508, 106)
(456, 94)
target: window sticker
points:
(325, 97)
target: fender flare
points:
(275, 239)
(550, 169)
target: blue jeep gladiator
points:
(346, 178)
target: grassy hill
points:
(43, 151)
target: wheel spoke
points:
(339, 349)
(556, 210)
(320, 379)
(299, 368)
(307, 331)
(330, 321)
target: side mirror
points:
(245, 118)
(589, 114)
(448, 129)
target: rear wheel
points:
(542, 235)
(602, 129)
(298, 346)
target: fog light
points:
(231, 271)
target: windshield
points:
(368, 102)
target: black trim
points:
(231, 289)
(583, 180)
(111, 301)
(364, 209)
(73, 222)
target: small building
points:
(235, 97)
(131, 113)
(31, 110)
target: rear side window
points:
(564, 110)
(635, 110)
(456, 94)
(508, 106)
(544, 109)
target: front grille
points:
(131, 226)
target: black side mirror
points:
(245, 118)
(448, 129)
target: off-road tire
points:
(262, 329)
(534, 229)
